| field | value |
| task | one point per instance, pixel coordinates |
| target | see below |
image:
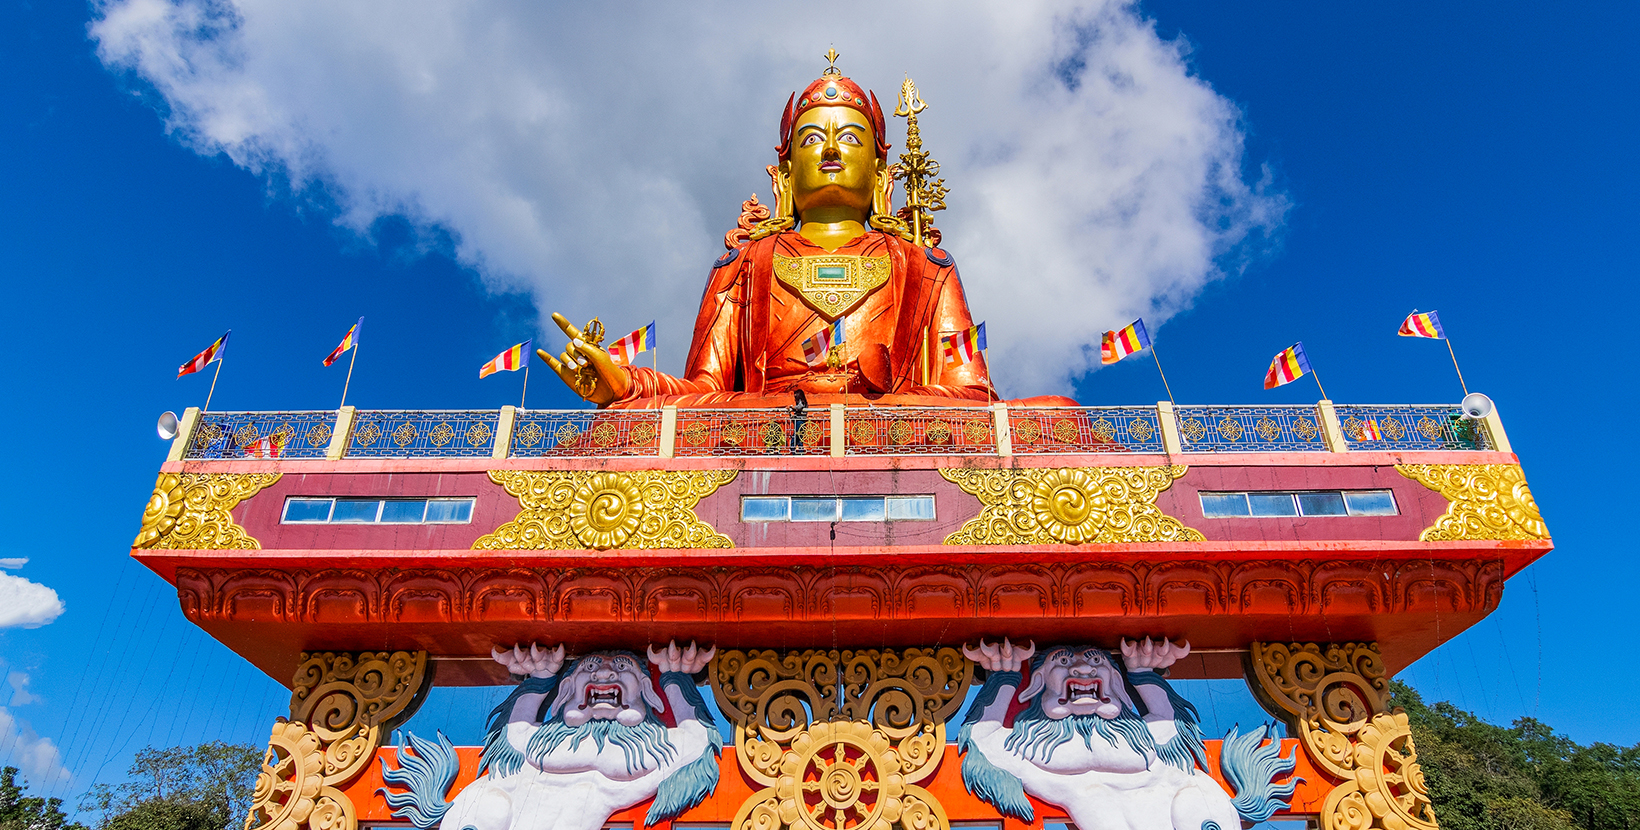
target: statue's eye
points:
(1063, 660)
(849, 138)
(811, 139)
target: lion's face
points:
(1078, 681)
(608, 686)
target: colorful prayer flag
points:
(963, 346)
(212, 354)
(1369, 432)
(1422, 325)
(271, 446)
(348, 342)
(817, 347)
(629, 347)
(1287, 367)
(510, 360)
(1119, 344)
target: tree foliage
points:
(204, 787)
(23, 812)
(1524, 777)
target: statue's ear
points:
(566, 692)
(1039, 680)
(780, 181)
(651, 695)
(882, 199)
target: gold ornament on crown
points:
(1071, 505)
(1488, 501)
(605, 510)
(1333, 699)
(194, 511)
(840, 739)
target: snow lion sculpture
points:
(1084, 743)
(598, 747)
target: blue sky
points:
(1472, 158)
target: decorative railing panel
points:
(1410, 427)
(586, 433)
(423, 434)
(1250, 429)
(908, 430)
(741, 432)
(242, 434)
(1085, 429)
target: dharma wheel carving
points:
(1332, 697)
(840, 739)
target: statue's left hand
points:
(687, 660)
(1152, 655)
(613, 382)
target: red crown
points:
(832, 91)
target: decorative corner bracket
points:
(604, 510)
(1068, 505)
(194, 511)
(1333, 699)
(1488, 501)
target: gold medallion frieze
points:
(607, 510)
(1068, 505)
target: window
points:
(1298, 503)
(377, 511)
(837, 508)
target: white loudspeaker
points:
(168, 425)
(1476, 406)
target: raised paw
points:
(1153, 654)
(537, 662)
(1004, 656)
(687, 660)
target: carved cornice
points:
(193, 511)
(1488, 501)
(1333, 699)
(1068, 505)
(1003, 591)
(605, 510)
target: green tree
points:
(22, 812)
(204, 787)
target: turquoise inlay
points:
(831, 273)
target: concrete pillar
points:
(839, 440)
(1494, 428)
(344, 431)
(185, 433)
(1005, 438)
(1170, 428)
(503, 433)
(1331, 431)
(669, 431)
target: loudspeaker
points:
(1476, 406)
(168, 425)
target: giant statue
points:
(572, 745)
(1104, 737)
(834, 250)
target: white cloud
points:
(37, 757)
(13, 563)
(594, 154)
(20, 695)
(25, 604)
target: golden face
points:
(834, 160)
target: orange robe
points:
(748, 343)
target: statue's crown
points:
(832, 89)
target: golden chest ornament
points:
(833, 283)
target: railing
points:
(544, 433)
(1086, 429)
(1250, 429)
(908, 430)
(386, 433)
(833, 430)
(261, 435)
(1410, 427)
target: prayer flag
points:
(1119, 344)
(271, 446)
(817, 347)
(1287, 367)
(1422, 325)
(1369, 432)
(510, 360)
(632, 345)
(963, 346)
(348, 342)
(212, 354)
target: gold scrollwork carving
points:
(1333, 699)
(348, 699)
(602, 510)
(194, 511)
(840, 738)
(1070, 505)
(1488, 501)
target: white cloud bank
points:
(37, 757)
(594, 154)
(25, 604)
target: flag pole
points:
(349, 380)
(1156, 357)
(1319, 386)
(1455, 366)
(526, 392)
(213, 385)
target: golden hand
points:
(613, 382)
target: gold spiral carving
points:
(1488, 501)
(602, 510)
(1333, 699)
(347, 700)
(1071, 505)
(194, 511)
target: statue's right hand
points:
(613, 382)
(534, 663)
